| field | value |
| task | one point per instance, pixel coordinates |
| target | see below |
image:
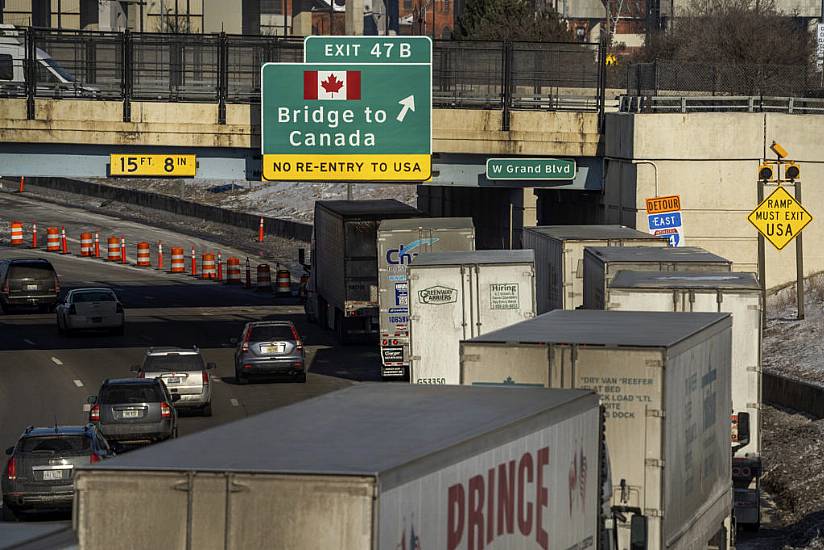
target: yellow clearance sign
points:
(780, 218)
(178, 166)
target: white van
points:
(51, 77)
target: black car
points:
(28, 282)
(134, 410)
(39, 475)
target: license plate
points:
(131, 414)
(279, 348)
(173, 380)
(31, 287)
(97, 319)
(49, 475)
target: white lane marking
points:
(78, 383)
(56, 361)
(234, 402)
(216, 379)
(29, 342)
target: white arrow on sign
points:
(408, 105)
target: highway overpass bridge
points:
(140, 94)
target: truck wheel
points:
(321, 313)
(340, 327)
(8, 514)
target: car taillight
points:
(94, 458)
(11, 469)
(94, 413)
(118, 308)
(394, 342)
(6, 288)
(205, 376)
(165, 410)
(72, 310)
(56, 285)
(247, 366)
(297, 365)
(141, 374)
(384, 342)
(298, 343)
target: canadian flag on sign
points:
(331, 85)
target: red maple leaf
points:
(332, 84)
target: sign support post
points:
(762, 258)
(799, 262)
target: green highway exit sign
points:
(346, 121)
(530, 169)
(367, 49)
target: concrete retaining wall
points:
(271, 226)
(793, 394)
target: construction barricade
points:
(178, 260)
(53, 239)
(144, 255)
(264, 278)
(16, 233)
(86, 243)
(283, 283)
(113, 249)
(207, 268)
(233, 270)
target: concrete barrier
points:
(793, 394)
(289, 229)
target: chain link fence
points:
(695, 79)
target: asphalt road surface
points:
(45, 378)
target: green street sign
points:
(367, 49)
(530, 169)
(346, 122)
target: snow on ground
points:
(292, 201)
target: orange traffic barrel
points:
(283, 283)
(233, 271)
(207, 268)
(178, 260)
(86, 243)
(144, 255)
(264, 277)
(113, 249)
(16, 233)
(53, 239)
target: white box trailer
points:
(400, 242)
(602, 263)
(730, 292)
(559, 258)
(449, 468)
(664, 379)
(457, 295)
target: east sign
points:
(346, 121)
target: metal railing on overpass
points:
(709, 104)
(225, 69)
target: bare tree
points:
(733, 32)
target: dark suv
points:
(134, 410)
(39, 474)
(28, 282)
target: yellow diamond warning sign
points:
(780, 218)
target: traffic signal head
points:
(766, 171)
(791, 171)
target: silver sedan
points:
(90, 309)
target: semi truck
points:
(342, 291)
(458, 295)
(740, 295)
(559, 258)
(664, 382)
(452, 468)
(602, 263)
(400, 241)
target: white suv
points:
(185, 374)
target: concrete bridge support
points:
(711, 161)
